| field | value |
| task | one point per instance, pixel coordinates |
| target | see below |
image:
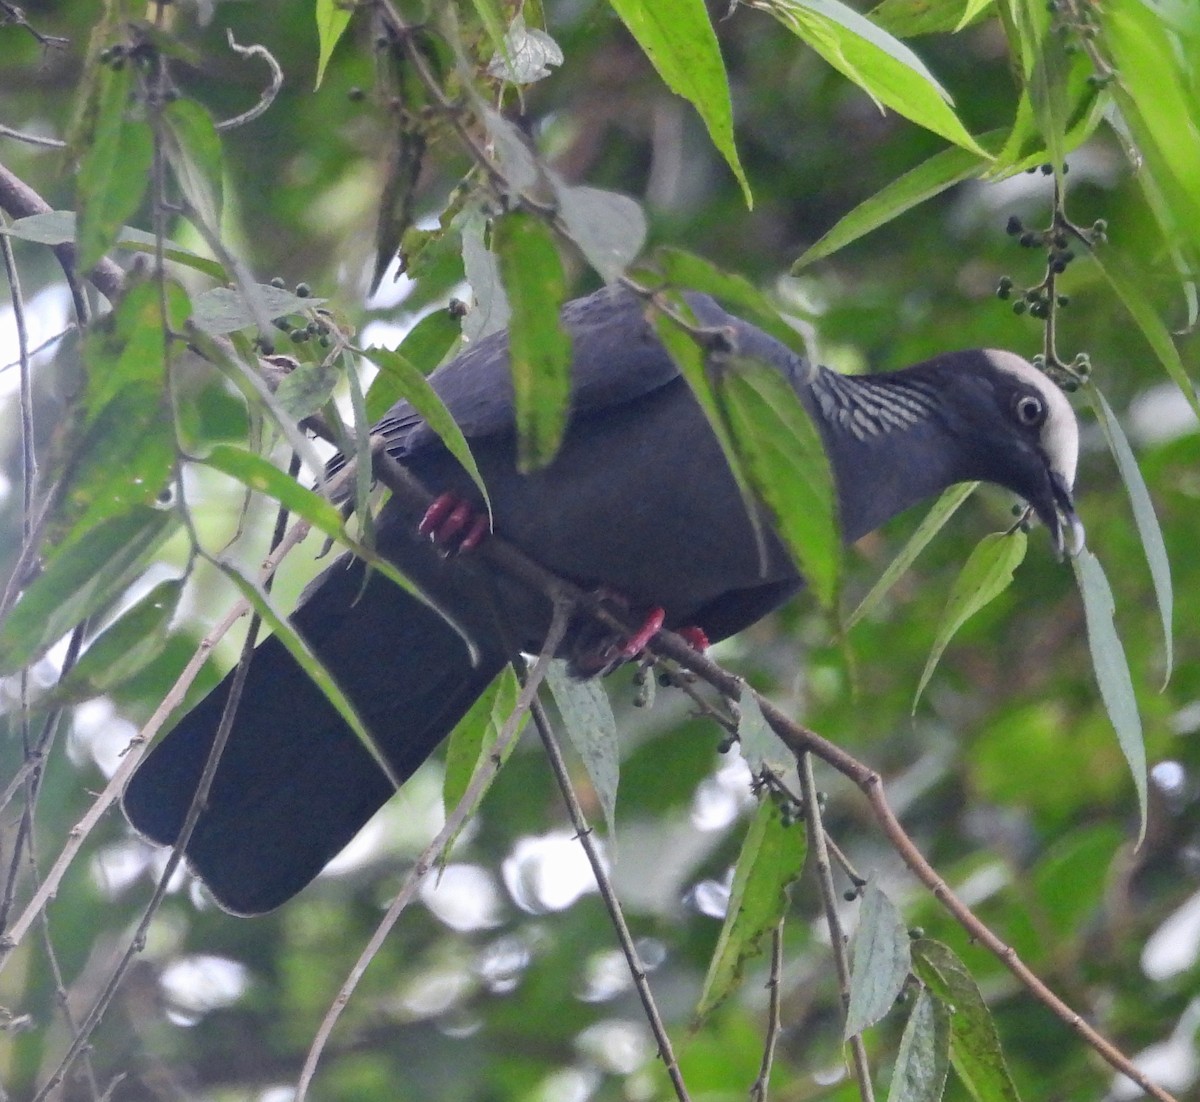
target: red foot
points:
(452, 524)
(694, 637)
(636, 643)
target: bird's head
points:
(1023, 435)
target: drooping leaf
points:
(124, 648)
(975, 1048)
(1144, 517)
(518, 161)
(880, 963)
(475, 734)
(771, 860)
(943, 170)
(924, 1055)
(193, 150)
(114, 171)
(934, 521)
(986, 574)
(762, 748)
(678, 38)
(529, 54)
(490, 311)
(788, 468)
(608, 228)
(424, 348)
(307, 387)
(881, 65)
(83, 579)
(409, 382)
(539, 349)
(332, 20)
(588, 719)
(1112, 671)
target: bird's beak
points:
(1060, 517)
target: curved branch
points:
(268, 96)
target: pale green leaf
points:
(592, 729)
(924, 1055)
(880, 963)
(333, 17)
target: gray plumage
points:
(639, 501)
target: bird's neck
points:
(888, 447)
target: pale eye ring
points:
(1029, 409)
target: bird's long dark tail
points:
(294, 783)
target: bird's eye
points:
(1029, 409)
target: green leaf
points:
(881, 961)
(689, 272)
(425, 347)
(1133, 298)
(934, 521)
(333, 17)
(307, 387)
(924, 1055)
(82, 579)
(974, 1044)
(1112, 671)
(943, 170)
(539, 349)
(129, 644)
(788, 468)
(910, 18)
(609, 229)
(1144, 517)
(299, 649)
(58, 227)
(193, 150)
(881, 65)
(409, 383)
(263, 477)
(473, 737)
(114, 171)
(771, 860)
(224, 310)
(588, 719)
(490, 312)
(987, 574)
(688, 356)
(678, 38)
(762, 748)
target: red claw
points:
(694, 637)
(636, 643)
(450, 520)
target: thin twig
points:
(758, 1089)
(612, 904)
(816, 839)
(268, 96)
(484, 774)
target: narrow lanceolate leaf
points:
(1144, 517)
(788, 468)
(473, 737)
(910, 18)
(924, 1056)
(299, 649)
(771, 860)
(332, 20)
(941, 511)
(1157, 335)
(1112, 670)
(193, 150)
(539, 349)
(83, 579)
(678, 38)
(490, 311)
(115, 169)
(762, 748)
(263, 477)
(124, 648)
(409, 383)
(881, 961)
(881, 65)
(974, 1043)
(608, 228)
(424, 347)
(588, 718)
(681, 346)
(987, 574)
(943, 170)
